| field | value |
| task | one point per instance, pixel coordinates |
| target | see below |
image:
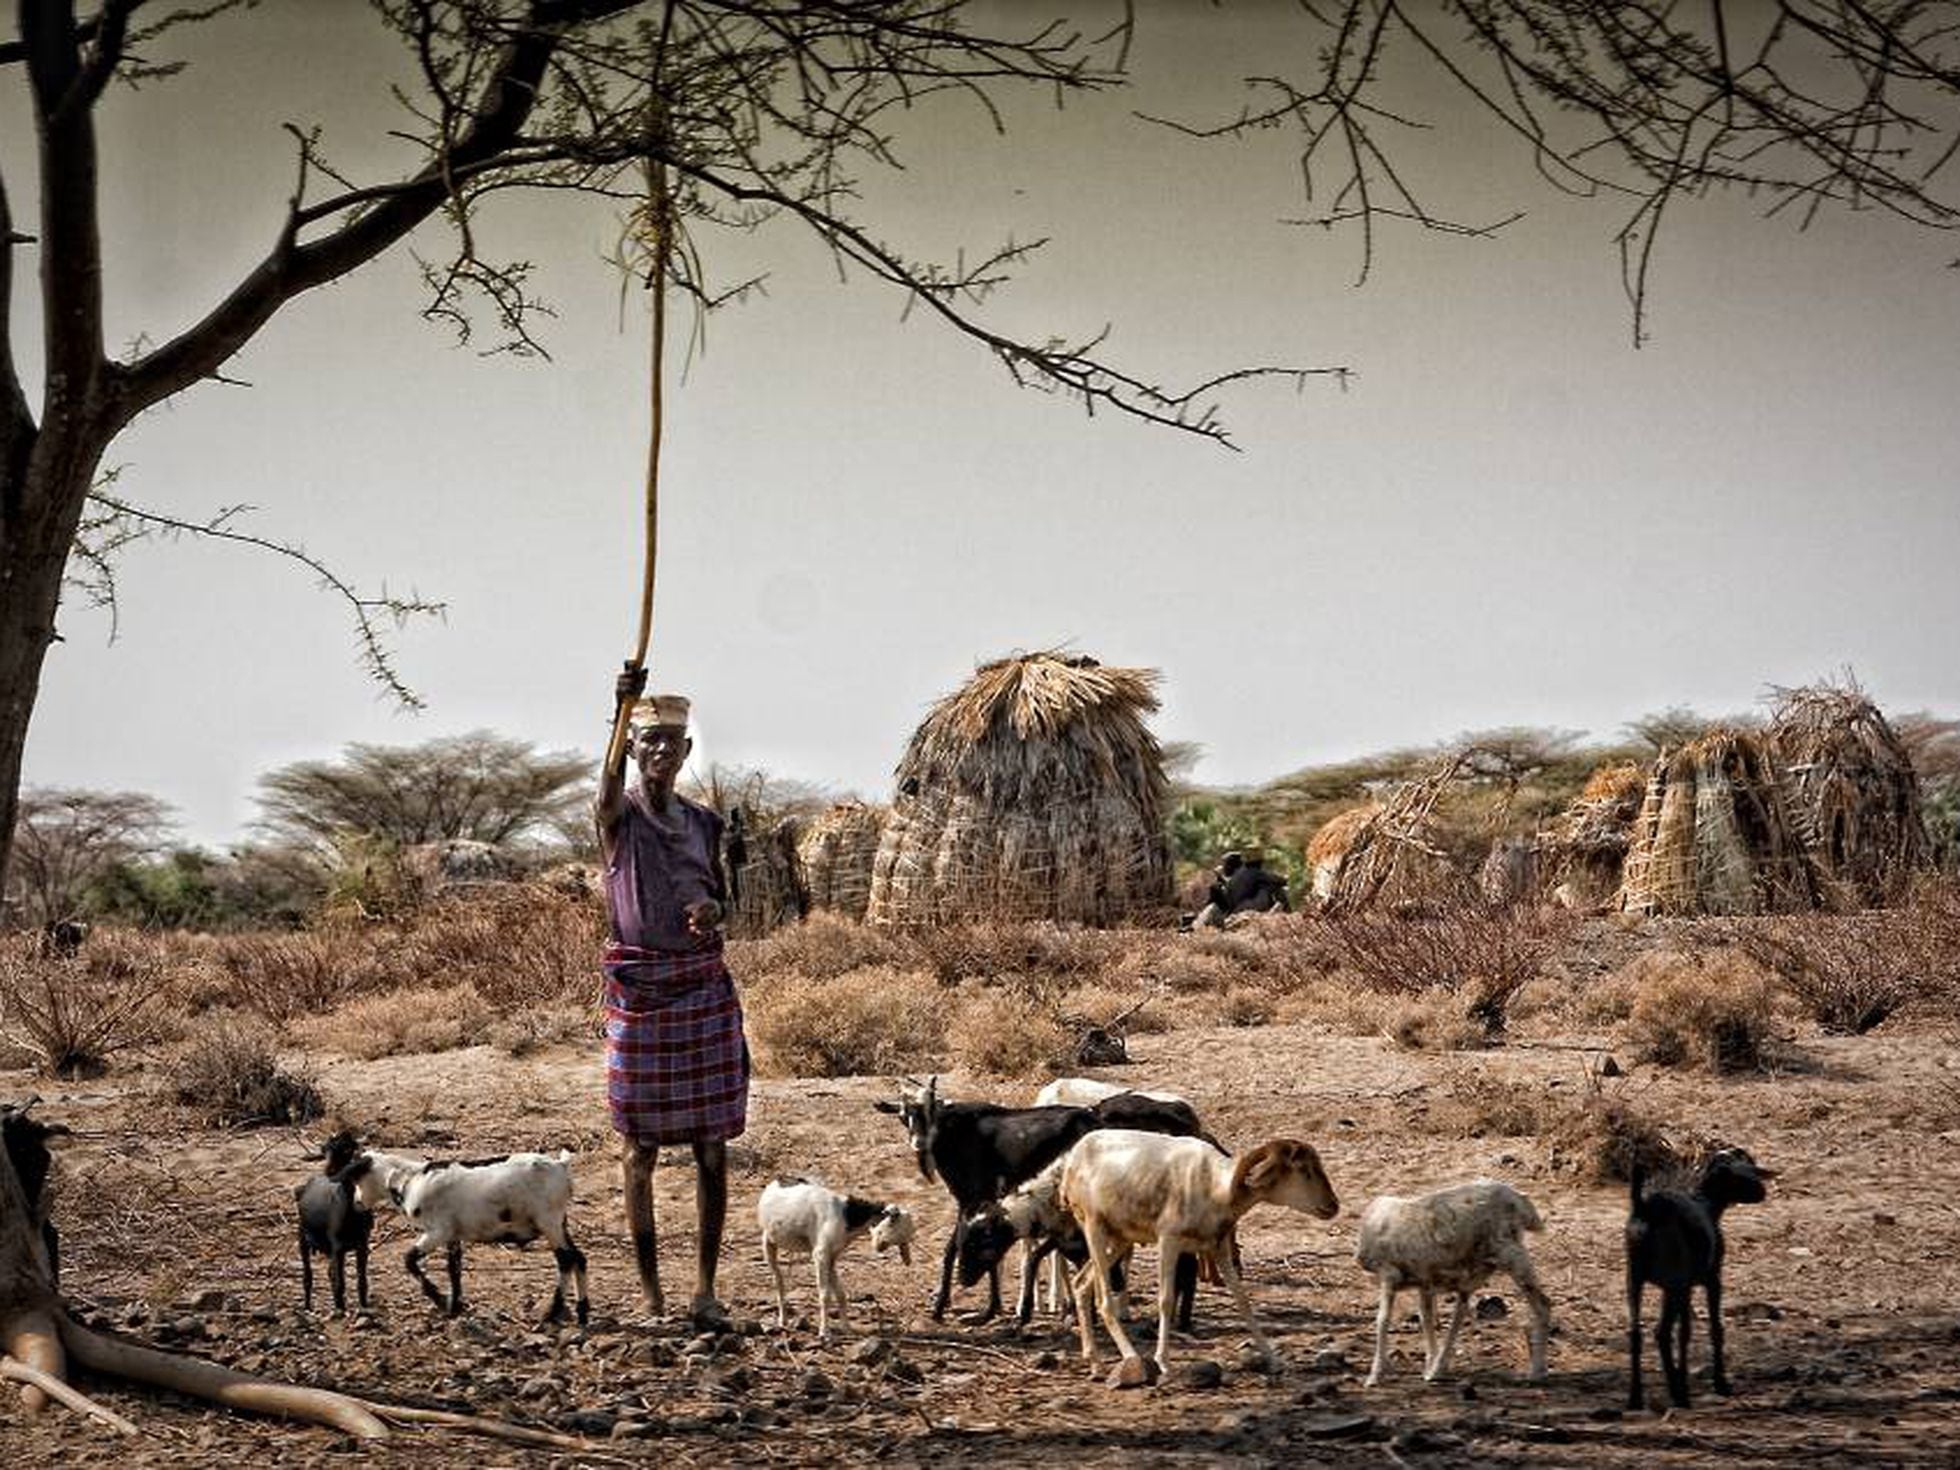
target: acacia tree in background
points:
(68, 841)
(765, 113)
(480, 787)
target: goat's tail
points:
(1636, 1178)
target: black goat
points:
(1674, 1240)
(981, 1150)
(333, 1222)
(26, 1142)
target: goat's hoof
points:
(1134, 1373)
(1721, 1388)
(1371, 1380)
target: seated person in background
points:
(1244, 886)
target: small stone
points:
(188, 1326)
(137, 1315)
(1884, 1217)
(870, 1350)
(1234, 1424)
(213, 1300)
(259, 1314)
(1133, 1373)
(1199, 1373)
(660, 1354)
(729, 1342)
(630, 1429)
(1254, 1359)
(596, 1423)
(1422, 1440)
(1611, 1067)
(1507, 1161)
(1047, 1360)
(1467, 1392)
(1329, 1360)
(737, 1379)
(1492, 1309)
(702, 1346)
(903, 1371)
(1604, 1414)
(1337, 1426)
(818, 1384)
(540, 1387)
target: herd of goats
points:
(1080, 1179)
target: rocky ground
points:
(1845, 1317)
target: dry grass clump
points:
(875, 1020)
(1600, 1134)
(521, 1032)
(1439, 1020)
(1101, 1006)
(281, 976)
(1245, 1005)
(71, 1017)
(1714, 1009)
(401, 1023)
(1000, 1034)
(519, 945)
(229, 1076)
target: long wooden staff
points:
(660, 221)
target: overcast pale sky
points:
(1509, 516)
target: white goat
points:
(1453, 1240)
(1129, 1188)
(1086, 1092)
(801, 1216)
(511, 1200)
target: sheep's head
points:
(918, 1109)
(895, 1230)
(1284, 1171)
(985, 1240)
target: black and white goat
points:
(801, 1216)
(511, 1200)
(981, 1150)
(1674, 1240)
(334, 1223)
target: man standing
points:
(677, 1067)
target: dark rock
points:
(541, 1387)
(1610, 1067)
(818, 1385)
(729, 1342)
(626, 1429)
(903, 1371)
(190, 1327)
(737, 1379)
(1133, 1373)
(1336, 1426)
(1604, 1414)
(1048, 1360)
(1468, 1393)
(1423, 1440)
(870, 1350)
(660, 1354)
(595, 1423)
(213, 1300)
(1199, 1373)
(1492, 1308)
(1328, 1360)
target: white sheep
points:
(1129, 1188)
(1452, 1240)
(803, 1217)
(511, 1200)
(1086, 1092)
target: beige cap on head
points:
(660, 710)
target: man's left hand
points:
(704, 916)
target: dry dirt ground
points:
(1842, 1288)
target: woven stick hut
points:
(1853, 787)
(1035, 792)
(1328, 848)
(1393, 856)
(1582, 853)
(838, 853)
(1715, 834)
(768, 883)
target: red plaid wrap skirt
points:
(677, 1066)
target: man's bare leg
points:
(637, 1162)
(711, 1213)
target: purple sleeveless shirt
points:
(660, 865)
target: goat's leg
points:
(1100, 1263)
(1635, 1398)
(414, 1263)
(1229, 1269)
(946, 1275)
(337, 1278)
(360, 1275)
(571, 1259)
(1085, 1304)
(1518, 1263)
(1033, 1255)
(775, 1259)
(305, 1273)
(637, 1162)
(1170, 1261)
(1186, 1294)
(826, 1271)
(1718, 1373)
(1664, 1340)
(1426, 1313)
(1384, 1315)
(456, 1279)
(1684, 1320)
(1440, 1363)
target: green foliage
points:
(177, 891)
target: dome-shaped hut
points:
(838, 853)
(1854, 790)
(1716, 835)
(1582, 852)
(1035, 792)
(1328, 848)
(1392, 853)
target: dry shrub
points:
(1196, 971)
(1711, 1008)
(999, 1034)
(1342, 1007)
(72, 1016)
(1606, 1135)
(1480, 1105)
(229, 1076)
(822, 947)
(1850, 972)
(1439, 1020)
(1089, 1006)
(518, 946)
(1479, 957)
(1245, 1005)
(281, 976)
(403, 1023)
(521, 1032)
(876, 1020)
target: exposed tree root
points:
(54, 1388)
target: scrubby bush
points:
(821, 947)
(870, 1021)
(229, 1076)
(401, 1023)
(999, 1034)
(1713, 1008)
(72, 1016)
(1851, 972)
(1474, 959)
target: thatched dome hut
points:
(1328, 848)
(1716, 835)
(838, 852)
(1035, 792)
(1582, 853)
(1394, 855)
(1853, 787)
